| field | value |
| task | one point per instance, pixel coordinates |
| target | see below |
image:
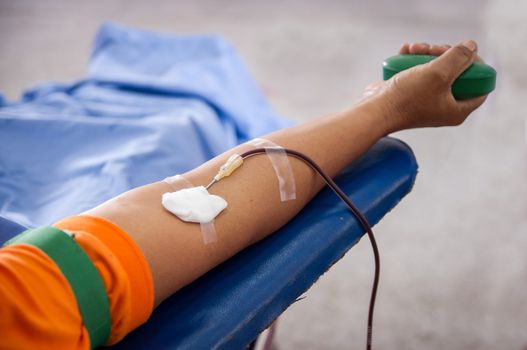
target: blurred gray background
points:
(454, 252)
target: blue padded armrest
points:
(230, 305)
(9, 229)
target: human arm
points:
(174, 250)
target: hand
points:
(421, 96)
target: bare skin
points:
(418, 97)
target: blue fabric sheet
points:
(152, 105)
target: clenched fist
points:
(421, 96)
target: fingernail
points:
(470, 44)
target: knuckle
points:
(395, 81)
(438, 75)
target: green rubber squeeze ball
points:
(477, 80)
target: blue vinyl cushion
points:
(9, 229)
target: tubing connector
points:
(233, 163)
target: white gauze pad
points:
(194, 204)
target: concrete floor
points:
(454, 252)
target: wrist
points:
(381, 117)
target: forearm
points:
(175, 250)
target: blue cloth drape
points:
(152, 105)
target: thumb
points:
(455, 60)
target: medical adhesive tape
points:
(208, 231)
(282, 168)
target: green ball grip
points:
(477, 80)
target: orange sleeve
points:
(123, 268)
(39, 310)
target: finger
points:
(468, 106)
(419, 48)
(404, 49)
(455, 60)
(438, 50)
(443, 48)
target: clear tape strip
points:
(208, 231)
(282, 168)
(178, 182)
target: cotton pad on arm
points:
(194, 204)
